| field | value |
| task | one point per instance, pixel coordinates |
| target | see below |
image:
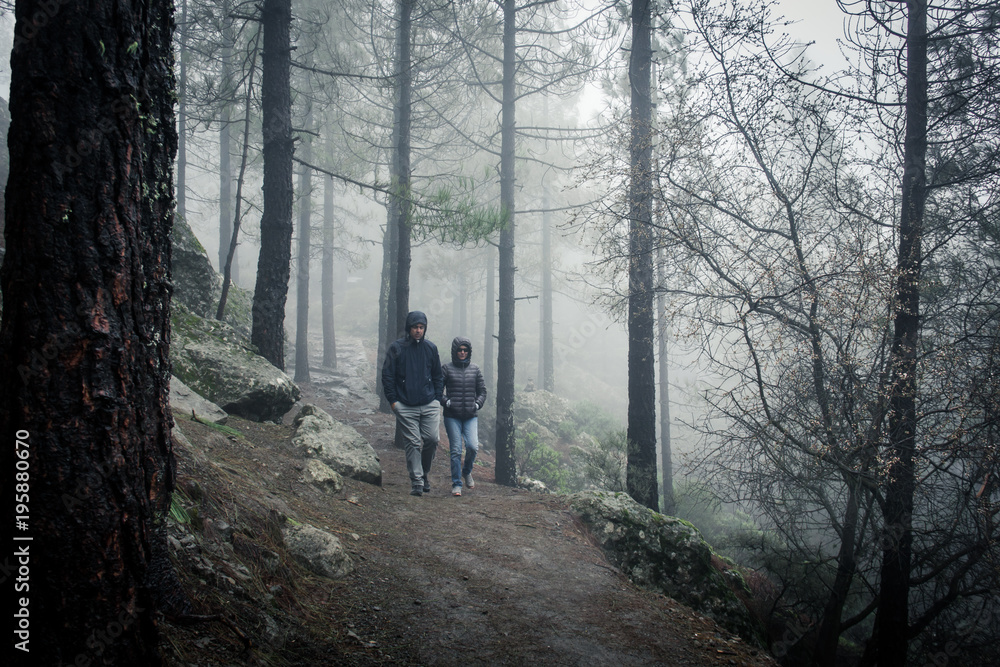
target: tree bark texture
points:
(641, 468)
(506, 472)
(273, 263)
(400, 171)
(86, 329)
(892, 617)
(329, 331)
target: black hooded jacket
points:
(411, 373)
(463, 383)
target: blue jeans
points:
(458, 430)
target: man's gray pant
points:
(419, 425)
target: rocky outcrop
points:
(322, 476)
(665, 554)
(317, 550)
(543, 407)
(184, 400)
(198, 286)
(220, 364)
(336, 445)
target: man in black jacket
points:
(466, 395)
(413, 385)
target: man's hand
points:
(392, 406)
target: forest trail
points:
(498, 576)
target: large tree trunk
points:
(85, 334)
(302, 284)
(506, 469)
(400, 171)
(273, 264)
(892, 617)
(329, 332)
(641, 469)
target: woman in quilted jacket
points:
(465, 394)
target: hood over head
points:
(415, 317)
(460, 341)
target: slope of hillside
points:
(497, 576)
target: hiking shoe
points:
(456, 490)
(427, 486)
(469, 484)
(417, 491)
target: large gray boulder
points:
(317, 550)
(664, 554)
(186, 401)
(220, 364)
(337, 445)
(541, 406)
(198, 286)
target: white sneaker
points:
(469, 484)
(456, 490)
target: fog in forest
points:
(764, 272)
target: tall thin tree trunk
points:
(641, 468)
(182, 117)
(329, 332)
(828, 635)
(302, 284)
(666, 449)
(225, 154)
(228, 270)
(546, 367)
(386, 304)
(273, 264)
(84, 343)
(892, 616)
(506, 469)
(489, 319)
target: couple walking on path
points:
(417, 385)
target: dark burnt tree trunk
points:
(302, 269)
(641, 468)
(506, 469)
(892, 616)
(329, 331)
(85, 334)
(273, 263)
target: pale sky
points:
(819, 21)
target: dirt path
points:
(498, 576)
